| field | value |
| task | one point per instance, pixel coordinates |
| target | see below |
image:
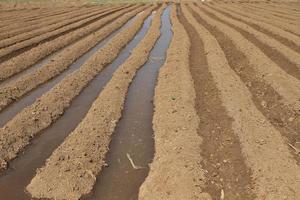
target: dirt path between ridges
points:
(282, 55)
(262, 17)
(288, 87)
(32, 56)
(287, 38)
(274, 172)
(175, 172)
(76, 173)
(270, 14)
(221, 151)
(9, 35)
(38, 116)
(32, 17)
(15, 49)
(282, 9)
(13, 91)
(16, 26)
(289, 16)
(266, 99)
(23, 168)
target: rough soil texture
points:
(288, 87)
(287, 38)
(5, 52)
(18, 29)
(176, 172)
(261, 143)
(12, 91)
(222, 156)
(38, 116)
(52, 27)
(226, 115)
(79, 159)
(282, 55)
(285, 119)
(32, 56)
(265, 17)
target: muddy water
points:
(10, 111)
(134, 133)
(22, 169)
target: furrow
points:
(221, 150)
(12, 91)
(264, 96)
(282, 55)
(8, 52)
(175, 128)
(287, 38)
(262, 17)
(28, 58)
(40, 31)
(33, 156)
(262, 145)
(48, 108)
(94, 131)
(9, 32)
(285, 85)
(20, 20)
(14, 26)
(271, 14)
(278, 13)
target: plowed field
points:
(152, 101)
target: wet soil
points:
(134, 134)
(22, 169)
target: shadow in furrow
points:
(10, 111)
(22, 169)
(134, 134)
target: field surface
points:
(150, 101)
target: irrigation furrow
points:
(287, 38)
(289, 16)
(268, 14)
(292, 8)
(94, 132)
(33, 157)
(262, 17)
(133, 134)
(13, 26)
(38, 116)
(264, 96)
(27, 44)
(19, 20)
(54, 27)
(61, 66)
(288, 87)
(28, 58)
(221, 150)
(175, 128)
(282, 55)
(262, 145)
(10, 32)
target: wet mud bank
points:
(9, 112)
(133, 136)
(22, 169)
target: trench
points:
(22, 169)
(134, 133)
(13, 109)
(30, 46)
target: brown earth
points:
(226, 115)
